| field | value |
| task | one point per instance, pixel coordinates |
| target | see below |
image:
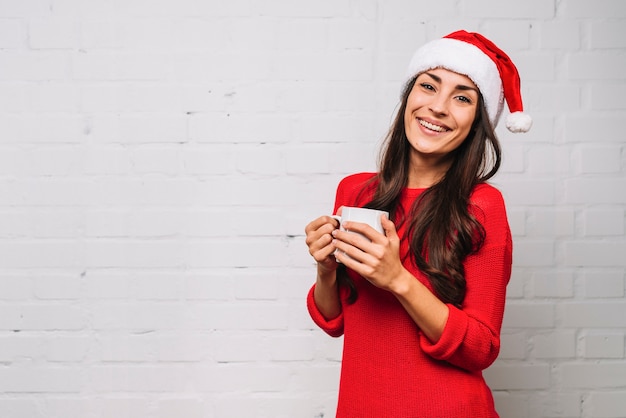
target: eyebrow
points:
(458, 87)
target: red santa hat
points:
(492, 71)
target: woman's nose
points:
(439, 105)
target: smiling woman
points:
(440, 111)
(421, 304)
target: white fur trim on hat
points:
(476, 57)
(465, 59)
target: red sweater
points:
(389, 367)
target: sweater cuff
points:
(451, 338)
(333, 327)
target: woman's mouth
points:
(432, 126)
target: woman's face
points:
(439, 114)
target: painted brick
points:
(593, 159)
(531, 9)
(605, 96)
(600, 345)
(584, 9)
(603, 222)
(604, 284)
(551, 284)
(527, 376)
(607, 404)
(593, 314)
(561, 345)
(551, 223)
(159, 161)
(595, 253)
(560, 35)
(604, 375)
(529, 315)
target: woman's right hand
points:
(319, 240)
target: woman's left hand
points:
(373, 255)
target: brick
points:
(349, 35)
(584, 9)
(528, 192)
(595, 66)
(189, 408)
(67, 348)
(511, 35)
(607, 404)
(603, 284)
(555, 345)
(560, 35)
(513, 346)
(529, 315)
(605, 96)
(53, 34)
(43, 129)
(138, 378)
(527, 377)
(603, 222)
(16, 286)
(241, 377)
(555, 284)
(241, 316)
(18, 346)
(594, 314)
(594, 253)
(556, 405)
(594, 159)
(548, 160)
(602, 345)
(603, 127)
(57, 286)
(511, 405)
(603, 35)
(29, 8)
(16, 408)
(159, 286)
(535, 253)
(542, 97)
(41, 317)
(535, 9)
(38, 379)
(551, 223)
(597, 190)
(11, 34)
(606, 375)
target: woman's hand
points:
(373, 255)
(320, 242)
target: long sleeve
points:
(333, 327)
(471, 337)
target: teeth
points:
(432, 127)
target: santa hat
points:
(492, 71)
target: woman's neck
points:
(425, 173)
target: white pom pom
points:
(518, 122)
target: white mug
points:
(363, 215)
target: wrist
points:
(402, 285)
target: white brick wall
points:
(159, 160)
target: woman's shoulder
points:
(357, 180)
(486, 193)
(487, 199)
(355, 189)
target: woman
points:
(421, 306)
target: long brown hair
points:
(440, 227)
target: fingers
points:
(319, 238)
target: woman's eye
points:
(427, 86)
(464, 99)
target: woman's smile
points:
(439, 114)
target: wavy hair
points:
(441, 229)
